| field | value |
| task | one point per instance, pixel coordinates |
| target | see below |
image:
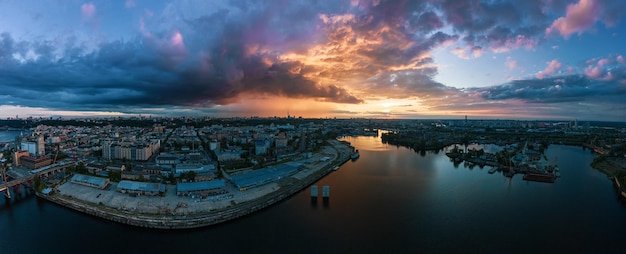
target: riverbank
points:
(173, 212)
(612, 168)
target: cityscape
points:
(312, 126)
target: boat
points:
(539, 177)
(492, 170)
(335, 168)
(355, 155)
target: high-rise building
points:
(41, 146)
(29, 146)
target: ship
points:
(355, 155)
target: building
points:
(30, 147)
(214, 145)
(34, 147)
(264, 176)
(135, 151)
(141, 188)
(280, 140)
(90, 181)
(41, 146)
(260, 147)
(205, 188)
(17, 155)
(194, 156)
(35, 162)
(228, 155)
(198, 168)
(166, 159)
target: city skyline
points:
(373, 59)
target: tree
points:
(191, 175)
(115, 175)
(171, 178)
(80, 168)
(37, 184)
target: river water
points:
(390, 200)
(6, 136)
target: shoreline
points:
(200, 219)
(610, 171)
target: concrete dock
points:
(174, 212)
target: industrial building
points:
(34, 147)
(90, 181)
(136, 151)
(35, 162)
(18, 155)
(264, 176)
(166, 159)
(141, 188)
(204, 188)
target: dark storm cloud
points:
(212, 65)
(557, 90)
(201, 56)
(498, 25)
(404, 84)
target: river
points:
(390, 200)
(6, 136)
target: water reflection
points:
(391, 200)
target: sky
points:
(533, 59)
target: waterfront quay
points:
(176, 212)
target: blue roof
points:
(200, 186)
(140, 186)
(264, 175)
(91, 180)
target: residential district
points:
(192, 172)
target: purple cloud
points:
(581, 16)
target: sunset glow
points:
(370, 59)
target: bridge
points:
(26, 179)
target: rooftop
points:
(200, 186)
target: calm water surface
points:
(8, 135)
(390, 200)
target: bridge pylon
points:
(7, 192)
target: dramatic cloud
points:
(195, 55)
(553, 66)
(584, 14)
(558, 90)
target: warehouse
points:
(264, 176)
(203, 189)
(140, 188)
(90, 181)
